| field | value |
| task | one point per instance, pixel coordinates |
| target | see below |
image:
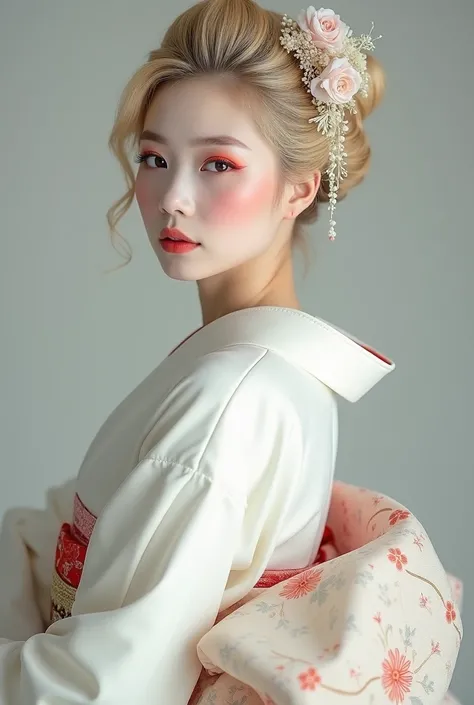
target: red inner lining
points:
(377, 354)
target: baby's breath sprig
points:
(334, 66)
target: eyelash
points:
(142, 157)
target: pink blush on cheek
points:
(240, 206)
(141, 193)
(146, 202)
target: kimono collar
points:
(340, 361)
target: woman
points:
(218, 467)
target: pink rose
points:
(338, 83)
(326, 28)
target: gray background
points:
(75, 341)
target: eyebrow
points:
(214, 139)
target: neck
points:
(248, 286)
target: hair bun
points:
(367, 104)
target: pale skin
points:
(221, 196)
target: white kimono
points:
(218, 466)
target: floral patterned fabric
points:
(379, 623)
(71, 550)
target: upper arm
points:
(213, 477)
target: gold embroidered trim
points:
(62, 598)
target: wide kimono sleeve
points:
(162, 551)
(27, 544)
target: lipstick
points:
(176, 242)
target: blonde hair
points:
(240, 41)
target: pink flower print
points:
(378, 618)
(397, 677)
(397, 557)
(356, 674)
(301, 585)
(376, 500)
(418, 541)
(450, 612)
(435, 647)
(424, 601)
(398, 515)
(457, 590)
(309, 679)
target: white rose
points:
(338, 83)
(326, 28)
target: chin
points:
(178, 273)
(179, 276)
(193, 268)
(178, 269)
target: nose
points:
(177, 197)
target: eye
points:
(149, 159)
(221, 162)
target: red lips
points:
(176, 235)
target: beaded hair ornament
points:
(334, 65)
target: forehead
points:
(199, 107)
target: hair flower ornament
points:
(334, 65)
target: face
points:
(220, 193)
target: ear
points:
(302, 195)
